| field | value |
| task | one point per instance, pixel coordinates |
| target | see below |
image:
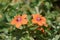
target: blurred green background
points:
(50, 9)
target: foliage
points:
(46, 8)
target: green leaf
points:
(33, 28)
(8, 18)
(56, 37)
(48, 32)
(27, 37)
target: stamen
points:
(38, 19)
(18, 19)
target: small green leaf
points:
(56, 37)
(8, 18)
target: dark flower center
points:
(18, 19)
(38, 19)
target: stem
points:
(37, 9)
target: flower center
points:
(38, 19)
(18, 19)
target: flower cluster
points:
(36, 19)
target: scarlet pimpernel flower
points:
(19, 20)
(39, 19)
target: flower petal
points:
(43, 18)
(34, 21)
(40, 24)
(24, 21)
(36, 15)
(24, 16)
(17, 25)
(46, 25)
(13, 22)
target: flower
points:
(39, 19)
(19, 20)
(41, 29)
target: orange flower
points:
(41, 29)
(19, 20)
(39, 19)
